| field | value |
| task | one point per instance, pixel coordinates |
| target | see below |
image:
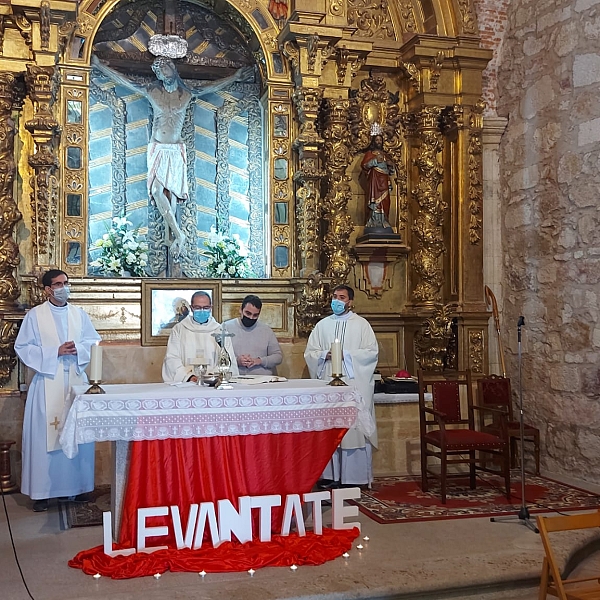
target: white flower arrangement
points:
(121, 250)
(227, 257)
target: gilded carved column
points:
(43, 128)
(335, 205)
(462, 127)
(9, 251)
(428, 236)
(308, 178)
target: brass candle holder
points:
(337, 380)
(95, 387)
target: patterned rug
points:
(86, 514)
(401, 500)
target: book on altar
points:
(255, 379)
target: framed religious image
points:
(165, 302)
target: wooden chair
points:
(452, 438)
(494, 391)
(551, 581)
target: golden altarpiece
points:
(330, 70)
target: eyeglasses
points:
(59, 284)
(201, 307)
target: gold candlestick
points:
(95, 387)
(337, 380)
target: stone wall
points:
(549, 88)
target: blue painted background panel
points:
(101, 207)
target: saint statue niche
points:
(377, 167)
(169, 98)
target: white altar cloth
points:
(151, 411)
(381, 398)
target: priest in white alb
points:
(192, 343)
(54, 341)
(351, 464)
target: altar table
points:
(197, 444)
(135, 412)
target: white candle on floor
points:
(96, 363)
(336, 358)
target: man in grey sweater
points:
(256, 348)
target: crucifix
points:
(56, 423)
(170, 17)
(224, 362)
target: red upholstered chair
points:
(451, 437)
(494, 391)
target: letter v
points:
(189, 530)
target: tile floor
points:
(462, 558)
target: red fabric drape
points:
(230, 556)
(186, 471)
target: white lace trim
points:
(182, 414)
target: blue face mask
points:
(202, 316)
(338, 307)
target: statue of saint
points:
(167, 161)
(378, 168)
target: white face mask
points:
(62, 294)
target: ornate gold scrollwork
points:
(271, 41)
(372, 18)
(33, 289)
(342, 64)
(308, 177)
(335, 205)
(369, 106)
(44, 129)
(2, 28)
(312, 48)
(344, 60)
(337, 8)
(427, 225)
(8, 357)
(311, 304)
(476, 348)
(25, 29)
(435, 70)
(45, 24)
(281, 235)
(291, 51)
(431, 343)
(65, 33)
(394, 145)
(85, 24)
(476, 173)
(307, 102)
(307, 215)
(407, 15)
(280, 190)
(9, 251)
(412, 73)
(467, 13)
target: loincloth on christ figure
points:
(167, 163)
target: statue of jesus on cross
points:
(167, 161)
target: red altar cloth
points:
(186, 471)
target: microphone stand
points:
(523, 516)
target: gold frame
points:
(186, 287)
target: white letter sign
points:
(339, 511)
(144, 532)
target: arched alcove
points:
(236, 139)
